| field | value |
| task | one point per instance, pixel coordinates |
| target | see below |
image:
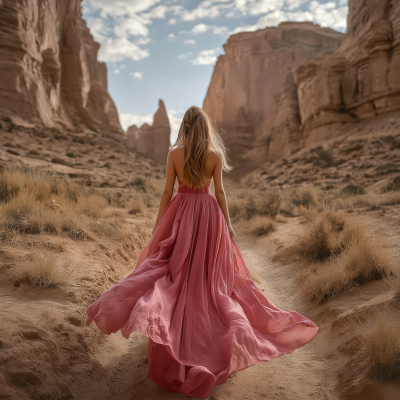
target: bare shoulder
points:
(213, 158)
(175, 153)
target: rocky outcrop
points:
(361, 79)
(279, 89)
(253, 96)
(49, 70)
(154, 140)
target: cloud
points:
(325, 15)
(136, 75)
(119, 49)
(171, 35)
(201, 28)
(190, 41)
(116, 71)
(184, 56)
(174, 123)
(128, 120)
(118, 8)
(172, 21)
(206, 57)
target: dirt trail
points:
(295, 376)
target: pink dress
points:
(191, 293)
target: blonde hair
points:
(198, 136)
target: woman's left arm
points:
(168, 187)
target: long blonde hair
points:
(198, 136)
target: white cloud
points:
(174, 123)
(190, 41)
(200, 28)
(184, 56)
(128, 120)
(206, 57)
(326, 15)
(144, 40)
(122, 66)
(219, 30)
(171, 35)
(119, 8)
(119, 49)
(172, 21)
(116, 71)
(136, 75)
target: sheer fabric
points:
(191, 293)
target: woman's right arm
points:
(220, 194)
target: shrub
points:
(394, 184)
(260, 226)
(136, 204)
(381, 345)
(353, 190)
(43, 269)
(305, 196)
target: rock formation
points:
(49, 70)
(252, 95)
(278, 89)
(361, 79)
(154, 140)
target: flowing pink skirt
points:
(192, 295)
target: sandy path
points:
(295, 376)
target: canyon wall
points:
(278, 89)
(152, 140)
(50, 75)
(252, 94)
(360, 80)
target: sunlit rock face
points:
(253, 95)
(50, 75)
(152, 140)
(359, 81)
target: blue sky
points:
(157, 49)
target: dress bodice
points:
(185, 189)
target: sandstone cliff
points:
(361, 79)
(49, 70)
(154, 140)
(252, 94)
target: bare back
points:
(178, 162)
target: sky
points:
(167, 49)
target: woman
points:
(191, 292)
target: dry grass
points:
(336, 253)
(260, 226)
(42, 269)
(381, 345)
(394, 184)
(136, 204)
(35, 203)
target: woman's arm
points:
(220, 194)
(168, 187)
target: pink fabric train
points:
(192, 295)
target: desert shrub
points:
(394, 184)
(42, 269)
(136, 204)
(36, 203)
(260, 226)
(305, 196)
(319, 243)
(381, 345)
(353, 190)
